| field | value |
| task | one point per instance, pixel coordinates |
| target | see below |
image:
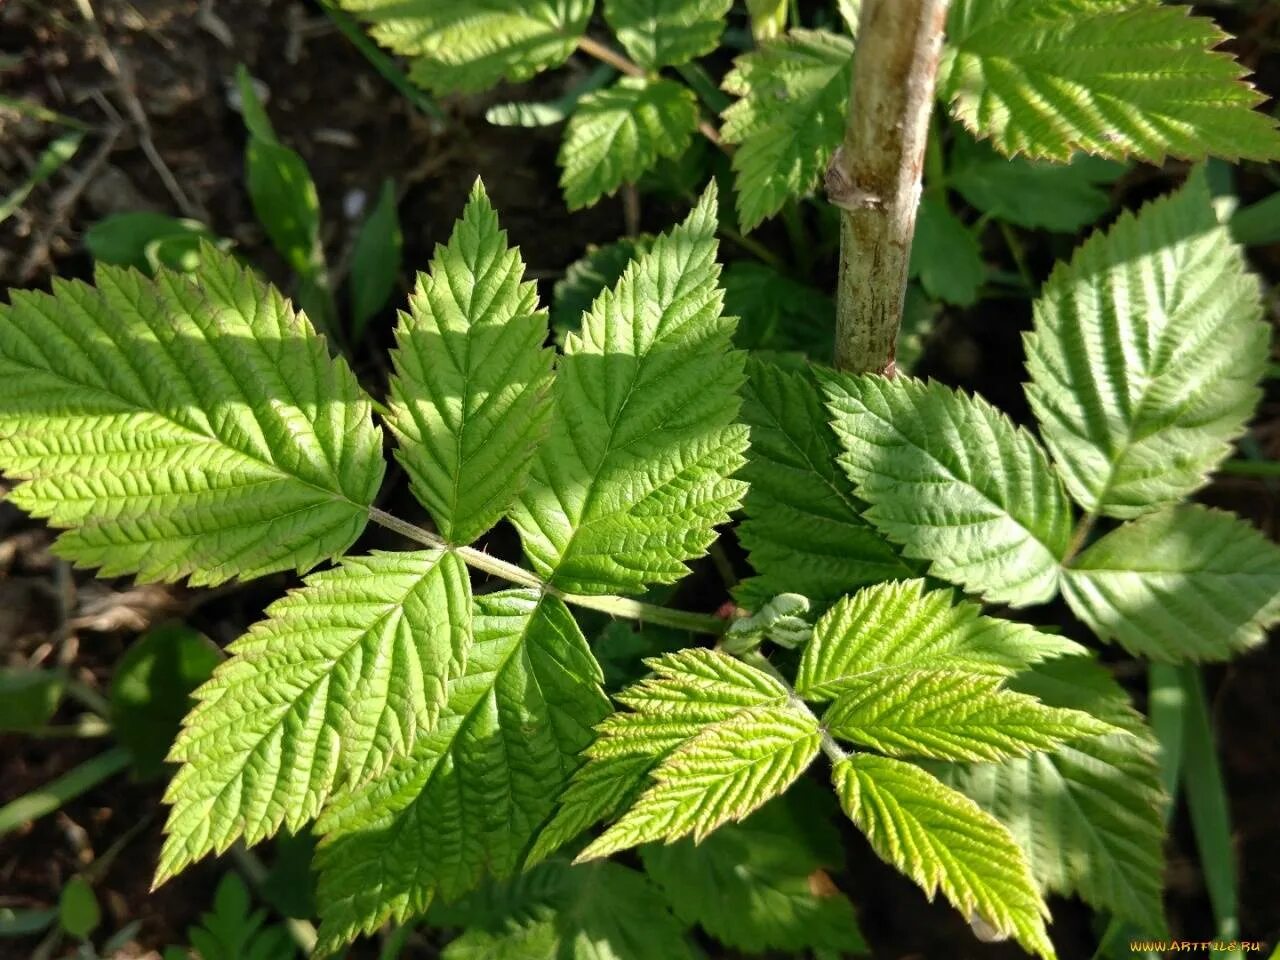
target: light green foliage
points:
(950, 715)
(945, 255)
(1187, 583)
(619, 133)
(266, 460)
(782, 620)
(944, 841)
(230, 932)
(545, 113)
(148, 241)
(586, 278)
(1088, 816)
(470, 45)
(1146, 356)
(375, 259)
(634, 474)
(471, 391)
(340, 679)
(895, 628)
(951, 478)
(1111, 77)
(789, 120)
(803, 531)
(662, 33)
(761, 884)
(776, 312)
(467, 800)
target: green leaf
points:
(266, 460)
(50, 161)
(950, 715)
(762, 884)
(777, 313)
(471, 390)
(151, 690)
(951, 478)
(1111, 77)
(1188, 583)
(546, 113)
(803, 531)
(665, 33)
(148, 241)
(944, 841)
(617, 134)
(896, 628)
(78, 910)
(634, 475)
(1089, 816)
(230, 932)
(789, 120)
(463, 46)
(1146, 356)
(945, 255)
(375, 260)
(1258, 225)
(468, 799)
(691, 692)
(28, 698)
(589, 276)
(343, 677)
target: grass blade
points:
(67, 787)
(48, 163)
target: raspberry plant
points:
(451, 738)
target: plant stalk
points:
(875, 176)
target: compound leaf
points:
(190, 425)
(1187, 583)
(341, 678)
(1146, 356)
(944, 841)
(951, 479)
(634, 474)
(467, 800)
(471, 390)
(1115, 78)
(789, 120)
(619, 133)
(664, 33)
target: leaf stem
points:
(614, 606)
(832, 750)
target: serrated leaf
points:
(664, 33)
(465, 803)
(342, 677)
(470, 395)
(951, 479)
(950, 715)
(945, 255)
(1111, 77)
(899, 627)
(471, 45)
(617, 134)
(777, 313)
(804, 532)
(1188, 583)
(690, 692)
(183, 426)
(789, 120)
(1089, 816)
(634, 475)
(1146, 356)
(761, 884)
(230, 932)
(944, 841)
(589, 276)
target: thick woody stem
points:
(874, 177)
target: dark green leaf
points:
(146, 240)
(78, 911)
(375, 261)
(777, 313)
(945, 255)
(28, 698)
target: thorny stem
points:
(614, 606)
(874, 178)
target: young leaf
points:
(230, 932)
(951, 715)
(1111, 77)
(467, 800)
(186, 426)
(945, 255)
(665, 33)
(950, 478)
(634, 474)
(375, 260)
(342, 677)
(462, 46)
(803, 531)
(898, 627)
(761, 884)
(944, 841)
(789, 120)
(1088, 816)
(1188, 583)
(471, 390)
(618, 133)
(1146, 356)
